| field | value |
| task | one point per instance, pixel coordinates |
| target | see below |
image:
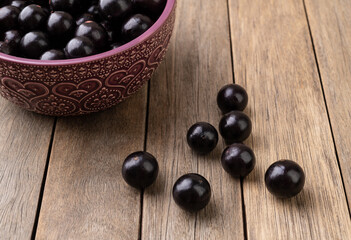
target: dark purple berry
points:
(4, 3)
(115, 9)
(19, 4)
(70, 6)
(95, 32)
(42, 3)
(95, 11)
(110, 31)
(154, 7)
(32, 17)
(134, 26)
(80, 47)
(285, 179)
(235, 127)
(140, 170)
(202, 137)
(12, 38)
(5, 48)
(83, 18)
(60, 25)
(238, 160)
(8, 18)
(232, 97)
(52, 54)
(192, 192)
(116, 45)
(34, 44)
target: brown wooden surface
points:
(24, 144)
(268, 48)
(85, 196)
(183, 92)
(273, 59)
(331, 29)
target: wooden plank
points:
(273, 59)
(85, 196)
(331, 30)
(183, 92)
(24, 144)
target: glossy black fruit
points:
(79, 47)
(140, 169)
(95, 32)
(202, 137)
(110, 31)
(238, 160)
(285, 179)
(116, 45)
(8, 18)
(71, 6)
(53, 54)
(5, 48)
(192, 192)
(134, 26)
(102, 25)
(235, 127)
(94, 10)
(154, 7)
(115, 9)
(43, 3)
(34, 44)
(60, 25)
(19, 4)
(32, 17)
(232, 97)
(46, 10)
(83, 18)
(12, 38)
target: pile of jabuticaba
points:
(64, 29)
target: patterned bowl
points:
(90, 84)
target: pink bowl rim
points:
(160, 21)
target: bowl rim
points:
(160, 21)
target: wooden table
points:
(61, 178)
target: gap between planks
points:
(145, 149)
(276, 21)
(41, 194)
(326, 104)
(233, 71)
(48, 162)
(199, 56)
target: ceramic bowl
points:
(90, 84)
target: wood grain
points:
(183, 92)
(273, 59)
(24, 144)
(85, 195)
(331, 30)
